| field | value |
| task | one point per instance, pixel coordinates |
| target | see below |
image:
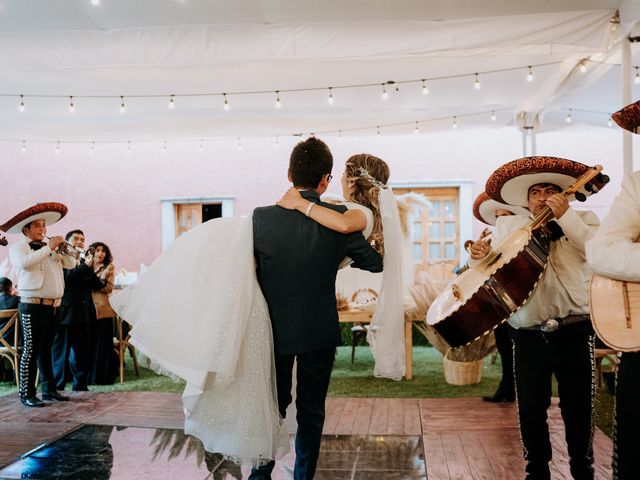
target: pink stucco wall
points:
(115, 197)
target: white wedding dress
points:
(198, 314)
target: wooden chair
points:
(361, 296)
(121, 345)
(599, 355)
(11, 349)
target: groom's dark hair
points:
(310, 160)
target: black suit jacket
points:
(77, 306)
(297, 261)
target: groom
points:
(297, 262)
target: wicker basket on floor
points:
(462, 373)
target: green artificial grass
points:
(356, 380)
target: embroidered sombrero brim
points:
(485, 208)
(510, 183)
(629, 117)
(50, 212)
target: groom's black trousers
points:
(312, 376)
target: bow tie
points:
(555, 230)
(36, 245)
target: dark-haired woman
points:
(103, 361)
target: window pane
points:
(435, 208)
(434, 251)
(449, 208)
(417, 231)
(434, 230)
(417, 252)
(450, 229)
(449, 250)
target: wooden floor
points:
(463, 438)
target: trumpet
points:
(66, 248)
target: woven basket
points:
(462, 373)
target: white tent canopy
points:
(196, 50)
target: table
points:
(363, 316)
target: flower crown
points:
(365, 175)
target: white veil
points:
(386, 332)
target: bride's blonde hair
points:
(369, 173)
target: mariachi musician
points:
(614, 252)
(488, 211)
(552, 333)
(38, 268)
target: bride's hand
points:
(291, 199)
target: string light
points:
(530, 75)
(57, 150)
(378, 128)
(239, 144)
(92, 150)
(21, 107)
(72, 107)
(278, 102)
(201, 147)
(128, 147)
(171, 103)
(493, 116)
(609, 122)
(164, 147)
(569, 118)
(476, 84)
(330, 100)
(23, 149)
(340, 135)
(122, 107)
(276, 143)
(425, 89)
(454, 125)
(636, 80)
(385, 95)
(417, 129)
(583, 66)
(226, 103)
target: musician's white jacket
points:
(563, 287)
(39, 271)
(614, 251)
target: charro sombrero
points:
(485, 208)
(510, 183)
(629, 117)
(50, 212)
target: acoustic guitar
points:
(615, 312)
(487, 294)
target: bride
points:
(198, 314)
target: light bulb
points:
(385, 95)
(23, 149)
(128, 147)
(57, 150)
(378, 127)
(21, 107)
(569, 118)
(530, 75)
(239, 145)
(330, 100)
(609, 123)
(476, 84)
(425, 89)
(201, 147)
(278, 102)
(95, 2)
(276, 143)
(164, 147)
(493, 116)
(583, 67)
(122, 107)
(72, 107)
(92, 150)
(226, 103)
(417, 129)
(636, 80)
(340, 135)
(454, 125)
(171, 103)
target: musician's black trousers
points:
(566, 353)
(39, 323)
(505, 349)
(626, 439)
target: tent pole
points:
(627, 143)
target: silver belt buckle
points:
(550, 325)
